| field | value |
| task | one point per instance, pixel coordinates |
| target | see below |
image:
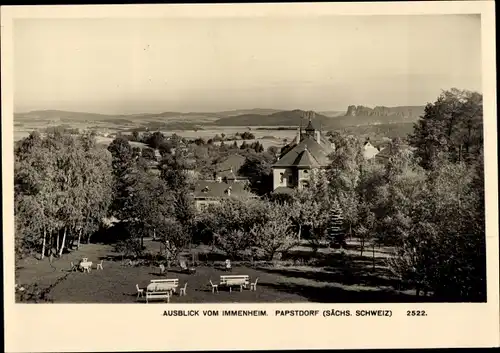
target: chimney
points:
(318, 137)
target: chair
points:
(182, 291)
(253, 286)
(140, 291)
(215, 287)
(87, 268)
(85, 259)
(99, 265)
(185, 268)
(73, 267)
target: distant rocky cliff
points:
(407, 111)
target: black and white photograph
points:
(330, 159)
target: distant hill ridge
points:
(353, 116)
(52, 114)
(281, 118)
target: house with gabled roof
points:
(307, 153)
(209, 192)
(229, 168)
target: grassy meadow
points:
(304, 276)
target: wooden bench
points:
(173, 282)
(158, 295)
(235, 280)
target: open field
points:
(268, 137)
(332, 277)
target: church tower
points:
(310, 131)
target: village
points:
(182, 220)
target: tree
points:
(247, 136)
(453, 125)
(62, 189)
(311, 209)
(173, 172)
(230, 223)
(165, 148)
(173, 235)
(124, 171)
(258, 169)
(273, 150)
(276, 233)
(148, 154)
(344, 177)
(199, 141)
(156, 140)
(435, 218)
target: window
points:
(306, 171)
(282, 177)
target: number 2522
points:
(416, 313)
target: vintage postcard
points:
(254, 176)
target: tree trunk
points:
(57, 241)
(62, 244)
(88, 239)
(300, 232)
(71, 240)
(79, 238)
(50, 242)
(362, 245)
(44, 243)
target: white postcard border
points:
(115, 327)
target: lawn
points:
(284, 282)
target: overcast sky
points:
(327, 63)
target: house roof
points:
(230, 166)
(305, 159)
(306, 153)
(214, 189)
